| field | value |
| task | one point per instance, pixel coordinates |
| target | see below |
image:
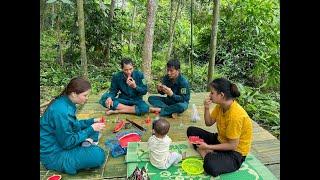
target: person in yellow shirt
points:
(226, 150)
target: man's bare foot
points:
(155, 110)
(174, 115)
(112, 112)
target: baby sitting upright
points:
(159, 144)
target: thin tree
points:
(213, 41)
(52, 17)
(191, 39)
(59, 36)
(148, 39)
(82, 38)
(172, 25)
(111, 15)
(43, 9)
(132, 24)
(123, 6)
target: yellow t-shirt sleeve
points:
(234, 127)
(214, 113)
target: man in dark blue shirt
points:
(127, 89)
(176, 88)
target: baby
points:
(159, 143)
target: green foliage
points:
(197, 80)
(261, 107)
(51, 1)
(48, 46)
(248, 41)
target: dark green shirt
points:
(119, 85)
(180, 88)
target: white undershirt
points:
(159, 150)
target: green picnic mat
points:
(138, 156)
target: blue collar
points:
(69, 102)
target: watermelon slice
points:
(103, 119)
(131, 137)
(54, 177)
(195, 139)
(119, 126)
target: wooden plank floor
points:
(265, 146)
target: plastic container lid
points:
(193, 166)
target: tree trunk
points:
(213, 42)
(123, 5)
(172, 27)
(82, 38)
(59, 41)
(132, 25)
(148, 40)
(123, 8)
(52, 17)
(191, 39)
(59, 37)
(108, 46)
(43, 8)
(171, 15)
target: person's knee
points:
(152, 98)
(190, 130)
(99, 155)
(70, 171)
(115, 105)
(209, 166)
(142, 109)
(181, 107)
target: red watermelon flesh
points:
(131, 137)
(54, 177)
(119, 126)
(195, 139)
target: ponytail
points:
(229, 89)
(234, 90)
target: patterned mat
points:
(138, 156)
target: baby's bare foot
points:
(184, 155)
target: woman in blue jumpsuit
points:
(61, 134)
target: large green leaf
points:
(51, 1)
(67, 2)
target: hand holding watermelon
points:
(195, 139)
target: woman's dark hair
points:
(229, 89)
(161, 126)
(173, 63)
(126, 61)
(77, 85)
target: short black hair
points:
(173, 63)
(126, 61)
(161, 126)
